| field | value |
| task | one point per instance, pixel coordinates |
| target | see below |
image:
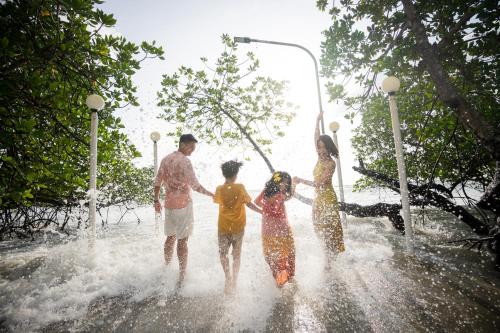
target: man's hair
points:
(230, 168)
(187, 138)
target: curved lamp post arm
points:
(248, 40)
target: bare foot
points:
(180, 282)
(234, 283)
(228, 286)
(281, 278)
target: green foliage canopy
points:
(371, 39)
(53, 54)
(226, 104)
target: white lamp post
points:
(390, 85)
(155, 137)
(95, 103)
(334, 127)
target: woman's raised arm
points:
(316, 129)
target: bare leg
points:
(224, 260)
(168, 249)
(236, 265)
(182, 254)
(328, 261)
(331, 255)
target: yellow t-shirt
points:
(231, 199)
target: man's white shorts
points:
(179, 222)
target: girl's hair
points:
(331, 148)
(272, 186)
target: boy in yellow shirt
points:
(232, 198)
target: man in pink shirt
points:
(177, 175)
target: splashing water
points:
(123, 284)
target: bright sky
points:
(191, 29)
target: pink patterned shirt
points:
(177, 174)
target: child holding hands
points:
(277, 236)
(232, 198)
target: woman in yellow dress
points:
(326, 218)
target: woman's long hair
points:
(331, 148)
(272, 186)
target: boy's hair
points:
(230, 168)
(272, 186)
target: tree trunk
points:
(448, 93)
(391, 211)
(491, 197)
(251, 140)
(433, 199)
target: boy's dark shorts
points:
(228, 240)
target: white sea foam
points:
(128, 260)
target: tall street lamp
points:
(95, 103)
(248, 40)
(390, 85)
(155, 137)
(334, 127)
